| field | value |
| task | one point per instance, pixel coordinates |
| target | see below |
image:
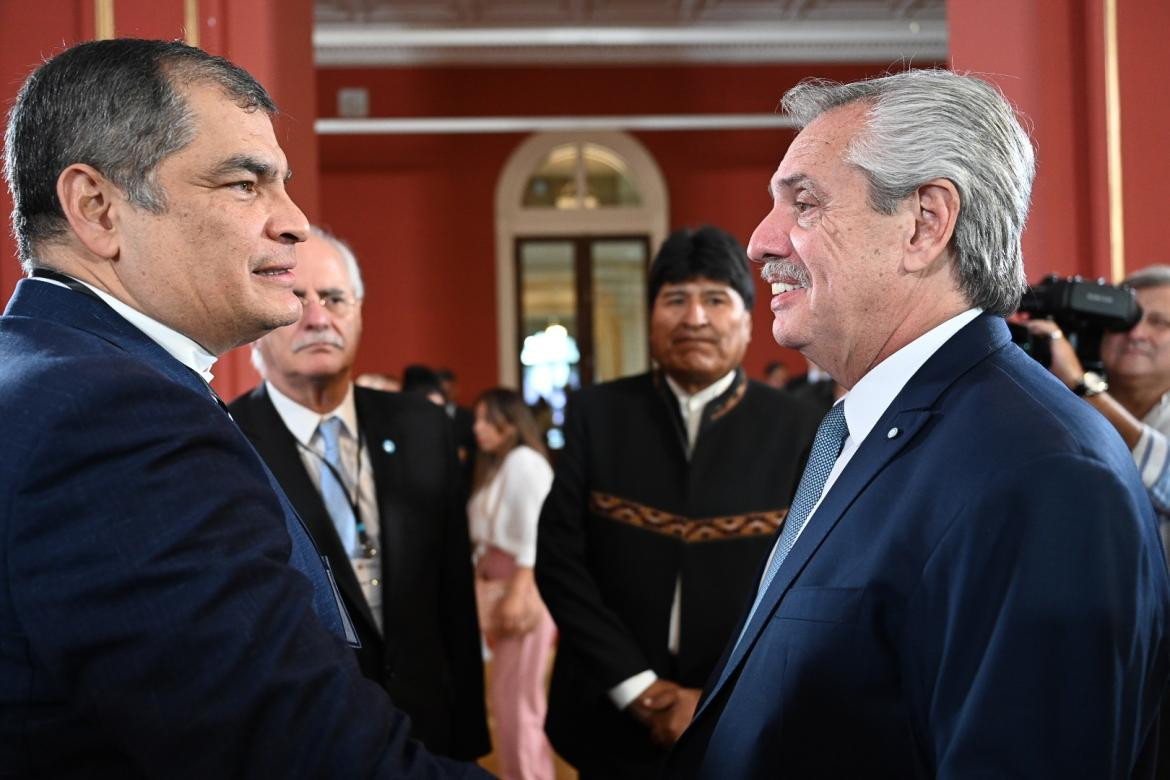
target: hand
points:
(669, 724)
(658, 697)
(516, 613)
(1066, 366)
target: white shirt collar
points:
(696, 402)
(874, 392)
(178, 346)
(302, 421)
(692, 406)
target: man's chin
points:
(785, 337)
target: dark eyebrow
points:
(254, 165)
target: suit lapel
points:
(903, 420)
(279, 450)
(381, 442)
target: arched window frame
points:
(513, 219)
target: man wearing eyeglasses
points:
(375, 478)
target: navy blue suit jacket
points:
(980, 594)
(162, 611)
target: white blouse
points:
(504, 512)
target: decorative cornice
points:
(877, 41)
(546, 124)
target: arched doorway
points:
(578, 216)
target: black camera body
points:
(1084, 310)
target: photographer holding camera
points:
(1136, 398)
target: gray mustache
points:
(786, 269)
(318, 337)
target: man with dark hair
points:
(776, 374)
(650, 536)
(969, 582)
(163, 612)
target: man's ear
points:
(87, 199)
(936, 208)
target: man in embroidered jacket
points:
(653, 534)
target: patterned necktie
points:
(333, 489)
(826, 447)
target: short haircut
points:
(1152, 276)
(935, 124)
(420, 379)
(706, 252)
(117, 105)
(351, 263)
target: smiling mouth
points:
(784, 276)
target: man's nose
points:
(770, 238)
(287, 224)
(314, 314)
(695, 313)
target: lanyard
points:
(68, 281)
(369, 549)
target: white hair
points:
(351, 263)
(934, 124)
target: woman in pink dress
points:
(512, 477)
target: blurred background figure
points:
(817, 388)
(423, 380)
(512, 477)
(387, 383)
(374, 477)
(776, 375)
(1134, 394)
(461, 417)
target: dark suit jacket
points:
(152, 622)
(430, 659)
(980, 594)
(628, 515)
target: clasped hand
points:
(666, 708)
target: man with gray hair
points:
(1134, 394)
(375, 478)
(163, 612)
(969, 582)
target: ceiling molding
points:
(886, 41)
(545, 124)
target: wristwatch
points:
(1091, 384)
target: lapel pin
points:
(892, 433)
(388, 446)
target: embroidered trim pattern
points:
(731, 402)
(703, 529)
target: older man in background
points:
(375, 479)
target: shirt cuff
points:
(625, 692)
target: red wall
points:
(29, 33)
(420, 213)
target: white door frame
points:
(513, 219)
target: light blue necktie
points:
(826, 447)
(333, 491)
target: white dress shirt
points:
(176, 344)
(872, 395)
